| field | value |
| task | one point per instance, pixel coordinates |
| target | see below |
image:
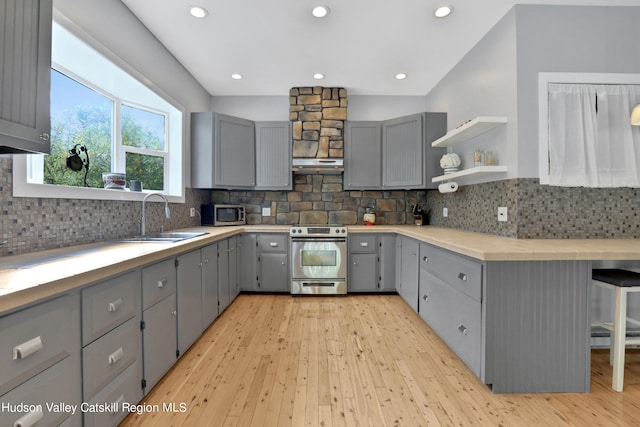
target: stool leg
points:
(619, 338)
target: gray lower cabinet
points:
(372, 260)
(25, 67)
(408, 273)
(41, 362)
(234, 267)
(249, 257)
(273, 156)
(450, 302)
(209, 256)
(111, 352)
(159, 334)
(224, 295)
(273, 262)
(189, 299)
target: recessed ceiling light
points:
(198, 12)
(320, 11)
(318, 76)
(401, 76)
(443, 11)
(236, 76)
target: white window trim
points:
(544, 79)
(23, 188)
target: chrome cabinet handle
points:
(27, 348)
(118, 404)
(116, 356)
(273, 244)
(174, 312)
(425, 258)
(364, 244)
(463, 329)
(462, 277)
(115, 305)
(29, 419)
(425, 298)
(44, 136)
(162, 283)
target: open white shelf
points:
(478, 170)
(469, 130)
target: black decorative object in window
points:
(76, 163)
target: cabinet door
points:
(209, 284)
(224, 297)
(363, 273)
(363, 155)
(234, 268)
(159, 341)
(273, 155)
(189, 299)
(234, 152)
(409, 272)
(249, 257)
(202, 150)
(402, 152)
(25, 70)
(387, 252)
(273, 272)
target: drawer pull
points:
(273, 244)
(463, 329)
(462, 277)
(173, 313)
(162, 283)
(116, 356)
(425, 258)
(425, 298)
(364, 244)
(27, 348)
(118, 404)
(115, 305)
(28, 420)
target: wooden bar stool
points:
(621, 282)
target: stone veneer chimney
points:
(318, 115)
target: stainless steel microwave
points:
(221, 215)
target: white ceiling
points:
(361, 45)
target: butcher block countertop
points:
(25, 279)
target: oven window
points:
(319, 258)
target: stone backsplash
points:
(539, 211)
(318, 115)
(319, 199)
(35, 224)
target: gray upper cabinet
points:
(222, 151)
(273, 155)
(403, 152)
(363, 155)
(25, 73)
(393, 154)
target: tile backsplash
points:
(34, 224)
(539, 211)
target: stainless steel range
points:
(318, 260)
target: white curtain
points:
(591, 143)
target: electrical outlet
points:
(445, 212)
(192, 212)
(266, 211)
(502, 214)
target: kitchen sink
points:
(168, 237)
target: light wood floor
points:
(275, 360)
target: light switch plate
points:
(445, 212)
(266, 211)
(502, 214)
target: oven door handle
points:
(319, 239)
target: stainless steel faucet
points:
(167, 213)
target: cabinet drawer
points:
(108, 304)
(114, 399)
(273, 243)
(455, 270)
(454, 316)
(363, 243)
(36, 338)
(158, 282)
(108, 356)
(58, 384)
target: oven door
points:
(318, 258)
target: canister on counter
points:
(369, 216)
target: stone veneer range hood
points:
(318, 117)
